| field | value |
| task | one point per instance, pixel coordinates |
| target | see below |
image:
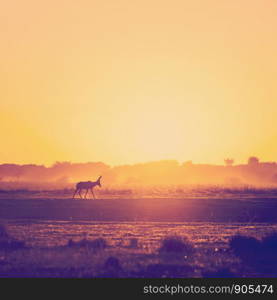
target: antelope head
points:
(98, 181)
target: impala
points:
(87, 185)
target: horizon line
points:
(135, 163)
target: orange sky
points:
(132, 81)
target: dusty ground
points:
(133, 230)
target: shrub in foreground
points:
(3, 232)
(269, 242)
(111, 268)
(244, 246)
(261, 255)
(176, 245)
(7, 242)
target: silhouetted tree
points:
(187, 163)
(229, 161)
(253, 160)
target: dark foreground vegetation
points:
(175, 256)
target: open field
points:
(255, 209)
(59, 236)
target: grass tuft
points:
(176, 245)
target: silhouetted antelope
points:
(87, 185)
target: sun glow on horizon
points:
(133, 81)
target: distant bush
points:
(253, 160)
(176, 245)
(96, 244)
